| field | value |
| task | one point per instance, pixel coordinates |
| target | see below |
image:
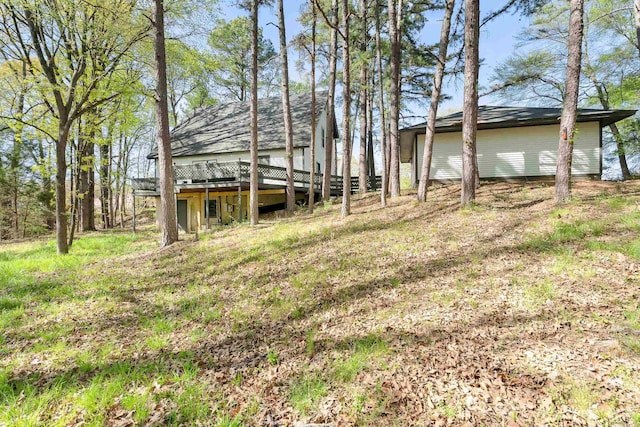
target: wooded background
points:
(77, 104)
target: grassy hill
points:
(513, 312)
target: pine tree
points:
(569, 110)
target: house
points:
(512, 142)
(210, 153)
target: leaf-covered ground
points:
(513, 312)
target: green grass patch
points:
(540, 293)
(563, 234)
(307, 391)
(362, 353)
(616, 202)
(228, 421)
(633, 318)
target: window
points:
(213, 209)
(264, 160)
(318, 167)
(322, 136)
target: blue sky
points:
(497, 41)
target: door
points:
(211, 214)
(182, 215)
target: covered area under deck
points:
(213, 193)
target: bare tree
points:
(603, 96)
(253, 148)
(87, 175)
(363, 169)
(395, 17)
(383, 124)
(169, 222)
(346, 111)
(371, 160)
(470, 103)
(329, 158)
(636, 19)
(286, 109)
(570, 107)
(312, 174)
(435, 100)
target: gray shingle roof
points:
(491, 117)
(225, 128)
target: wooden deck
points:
(231, 175)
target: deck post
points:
(206, 206)
(239, 203)
(133, 221)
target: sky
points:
(497, 42)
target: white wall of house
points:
(321, 130)
(301, 156)
(513, 152)
(276, 158)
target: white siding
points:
(514, 152)
(277, 158)
(321, 125)
(301, 157)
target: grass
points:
(541, 293)
(565, 233)
(364, 352)
(389, 317)
(307, 391)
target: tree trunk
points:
(603, 97)
(329, 157)
(253, 148)
(381, 107)
(169, 224)
(104, 184)
(117, 207)
(346, 112)
(622, 157)
(395, 13)
(286, 108)
(112, 204)
(87, 184)
(90, 205)
(312, 166)
(430, 131)
(126, 154)
(14, 163)
(470, 104)
(569, 110)
(46, 195)
(61, 190)
(363, 165)
(636, 19)
(74, 188)
(371, 161)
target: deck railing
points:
(238, 173)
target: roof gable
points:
(225, 128)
